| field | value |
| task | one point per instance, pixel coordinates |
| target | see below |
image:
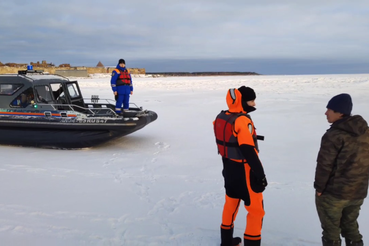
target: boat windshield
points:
(43, 93)
(58, 92)
(73, 91)
(9, 89)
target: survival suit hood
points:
(237, 99)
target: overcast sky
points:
(263, 36)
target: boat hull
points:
(68, 133)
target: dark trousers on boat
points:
(122, 100)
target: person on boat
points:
(243, 172)
(121, 84)
(21, 101)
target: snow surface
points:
(163, 185)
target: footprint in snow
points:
(161, 146)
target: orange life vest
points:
(227, 143)
(124, 77)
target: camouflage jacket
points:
(343, 160)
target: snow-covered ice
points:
(163, 185)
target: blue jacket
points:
(122, 89)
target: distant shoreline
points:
(199, 73)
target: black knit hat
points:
(122, 61)
(248, 94)
(341, 103)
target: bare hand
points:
(131, 92)
(115, 93)
(318, 193)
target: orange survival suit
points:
(243, 173)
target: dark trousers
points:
(338, 217)
(122, 99)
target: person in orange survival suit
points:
(244, 177)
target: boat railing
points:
(97, 111)
(94, 107)
(97, 101)
(89, 111)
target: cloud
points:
(84, 32)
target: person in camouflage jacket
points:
(342, 173)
